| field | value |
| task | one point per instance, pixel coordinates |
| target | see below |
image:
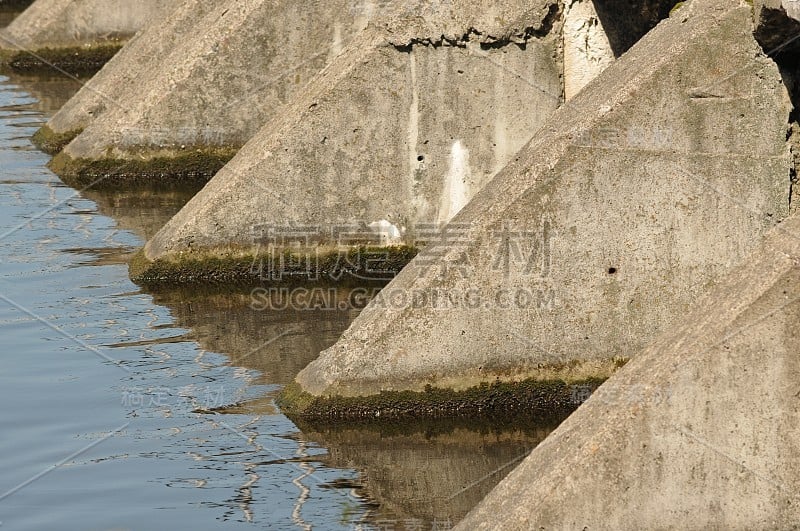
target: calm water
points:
(124, 410)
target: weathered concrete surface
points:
(141, 58)
(404, 127)
(598, 31)
(587, 50)
(211, 94)
(699, 431)
(74, 35)
(598, 235)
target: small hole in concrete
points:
(612, 270)
(421, 158)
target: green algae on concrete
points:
(189, 167)
(530, 398)
(75, 60)
(51, 142)
(76, 36)
(235, 265)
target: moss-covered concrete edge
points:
(51, 142)
(530, 398)
(75, 60)
(352, 266)
(186, 168)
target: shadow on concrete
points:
(627, 21)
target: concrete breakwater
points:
(597, 233)
(227, 71)
(74, 36)
(567, 204)
(386, 145)
(598, 242)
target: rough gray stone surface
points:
(699, 431)
(69, 23)
(634, 198)
(402, 129)
(138, 60)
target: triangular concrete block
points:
(141, 57)
(396, 135)
(657, 178)
(700, 431)
(211, 93)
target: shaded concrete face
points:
(699, 431)
(627, 21)
(642, 191)
(215, 90)
(124, 73)
(10, 10)
(76, 25)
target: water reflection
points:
(49, 91)
(276, 341)
(411, 475)
(142, 212)
(248, 462)
(430, 475)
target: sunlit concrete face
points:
(619, 215)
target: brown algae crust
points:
(189, 168)
(351, 266)
(51, 142)
(527, 398)
(76, 60)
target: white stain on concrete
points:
(387, 232)
(338, 43)
(456, 193)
